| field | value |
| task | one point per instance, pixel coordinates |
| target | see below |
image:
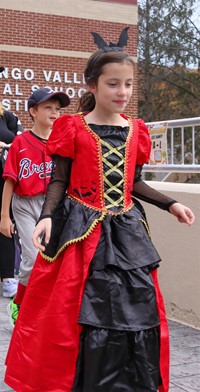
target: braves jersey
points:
(28, 165)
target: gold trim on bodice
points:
(103, 177)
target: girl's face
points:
(114, 87)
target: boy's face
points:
(45, 113)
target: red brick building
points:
(47, 43)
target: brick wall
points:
(46, 50)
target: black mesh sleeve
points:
(150, 195)
(57, 187)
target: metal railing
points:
(183, 147)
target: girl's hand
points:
(182, 213)
(6, 226)
(42, 231)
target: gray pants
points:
(26, 212)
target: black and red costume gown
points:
(93, 317)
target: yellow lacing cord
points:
(117, 190)
(113, 168)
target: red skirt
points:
(44, 347)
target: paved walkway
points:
(185, 353)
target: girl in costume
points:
(93, 318)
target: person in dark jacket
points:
(9, 128)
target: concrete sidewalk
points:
(185, 353)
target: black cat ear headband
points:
(111, 47)
(101, 44)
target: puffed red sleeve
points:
(144, 143)
(61, 140)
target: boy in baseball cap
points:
(27, 173)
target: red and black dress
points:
(93, 318)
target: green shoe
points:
(13, 310)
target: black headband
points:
(101, 44)
(111, 47)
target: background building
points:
(47, 43)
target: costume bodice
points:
(103, 167)
(113, 143)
